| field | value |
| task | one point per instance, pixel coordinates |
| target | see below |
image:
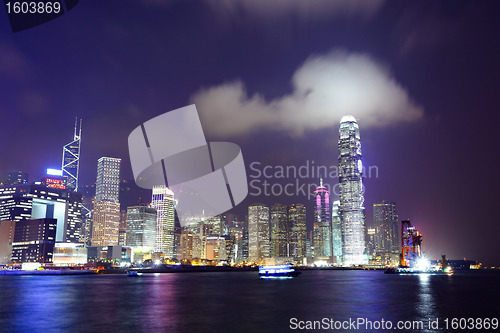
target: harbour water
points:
(241, 302)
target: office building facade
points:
(258, 233)
(34, 240)
(28, 202)
(106, 212)
(297, 247)
(387, 241)
(105, 223)
(279, 231)
(164, 203)
(322, 223)
(141, 228)
(336, 232)
(108, 179)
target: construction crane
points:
(411, 241)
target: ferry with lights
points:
(277, 271)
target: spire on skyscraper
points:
(71, 158)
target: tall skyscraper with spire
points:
(71, 158)
(322, 223)
(352, 210)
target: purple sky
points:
(422, 78)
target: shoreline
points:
(182, 269)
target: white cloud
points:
(326, 88)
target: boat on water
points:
(134, 273)
(277, 271)
(47, 272)
(407, 270)
(412, 259)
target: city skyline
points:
(277, 234)
(108, 192)
(277, 84)
(249, 165)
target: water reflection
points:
(426, 305)
(236, 301)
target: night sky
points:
(422, 79)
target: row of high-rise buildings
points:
(35, 217)
(338, 236)
(145, 228)
(278, 232)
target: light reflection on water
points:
(233, 302)
(426, 306)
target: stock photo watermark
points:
(271, 180)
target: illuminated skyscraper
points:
(279, 235)
(352, 210)
(163, 202)
(322, 223)
(105, 223)
(297, 239)
(336, 232)
(387, 239)
(108, 179)
(71, 159)
(370, 242)
(141, 228)
(106, 213)
(258, 233)
(30, 202)
(215, 225)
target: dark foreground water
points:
(241, 302)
